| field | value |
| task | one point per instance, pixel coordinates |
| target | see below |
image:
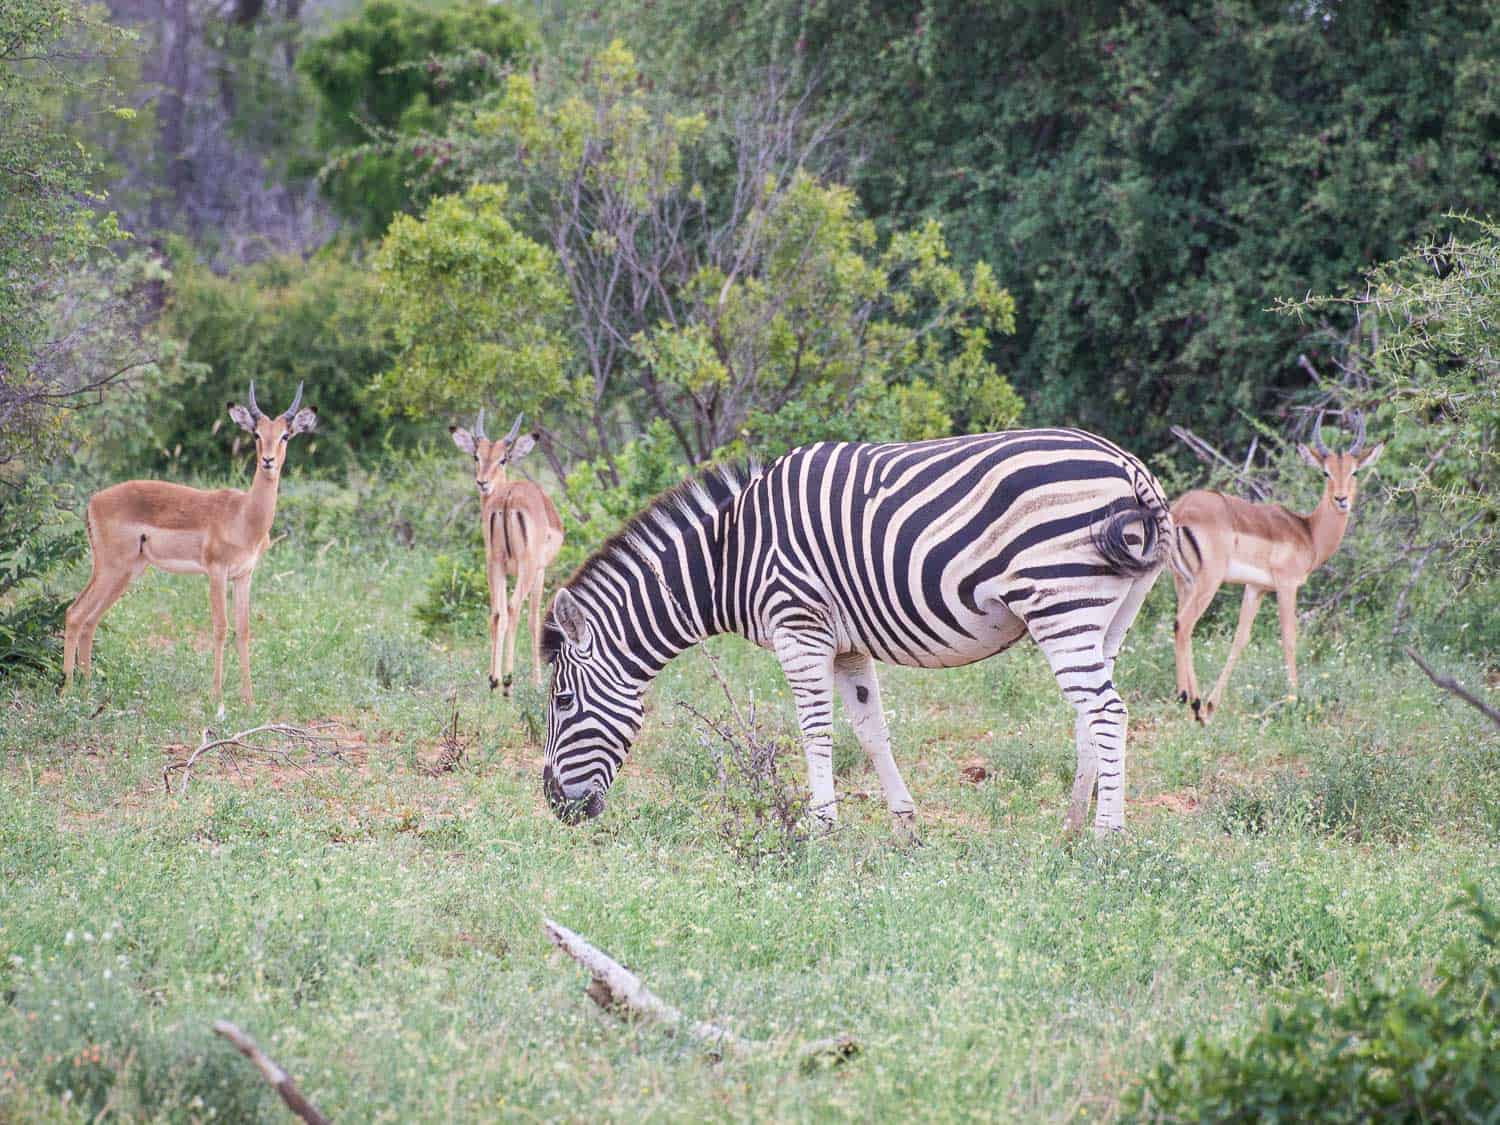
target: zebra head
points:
(594, 712)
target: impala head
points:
(492, 458)
(1340, 468)
(273, 432)
(593, 715)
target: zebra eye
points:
(564, 700)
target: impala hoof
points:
(1198, 711)
(1182, 697)
(507, 680)
(494, 683)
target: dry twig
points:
(451, 749)
(280, 1079)
(621, 993)
(308, 737)
(1209, 455)
(1453, 687)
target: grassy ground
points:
(377, 927)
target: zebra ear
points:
(567, 615)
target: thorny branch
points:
(307, 737)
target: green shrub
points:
(1383, 1051)
(456, 595)
(37, 536)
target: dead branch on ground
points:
(621, 993)
(310, 738)
(295, 1100)
(1453, 687)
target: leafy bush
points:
(389, 70)
(1383, 1051)
(280, 321)
(36, 537)
(456, 595)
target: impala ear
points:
(306, 420)
(242, 417)
(522, 446)
(1370, 457)
(1309, 456)
(462, 438)
(567, 615)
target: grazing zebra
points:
(931, 554)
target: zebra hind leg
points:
(1083, 674)
(807, 662)
(854, 675)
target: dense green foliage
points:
(397, 68)
(1145, 178)
(47, 222)
(277, 322)
(1382, 1051)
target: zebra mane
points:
(685, 505)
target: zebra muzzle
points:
(570, 810)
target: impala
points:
(522, 535)
(221, 533)
(1265, 547)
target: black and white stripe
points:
(931, 554)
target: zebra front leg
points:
(808, 665)
(854, 675)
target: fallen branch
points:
(310, 737)
(621, 993)
(280, 1079)
(1453, 687)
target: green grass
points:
(378, 928)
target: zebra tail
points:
(1160, 541)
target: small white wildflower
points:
(69, 938)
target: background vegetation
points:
(671, 233)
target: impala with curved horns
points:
(522, 535)
(221, 533)
(1266, 547)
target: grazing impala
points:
(1263, 546)
(221, 533)
(522, 535)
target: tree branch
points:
(280, 1079)
(1453, 687)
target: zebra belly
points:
(990, 634)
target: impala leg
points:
(1286, 608)
(1248, 608)
(110, 589)
(807, 662)
(73, 622)
(525, 585)
(536, 627)
(218, 589)
(854, 676)
(1192, 602)
(498, 623)
(242, 635)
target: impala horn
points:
(254, 410)
(1359, 433)
(479, 426)
(291, 411)
(510, 438)
(1317, 436)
